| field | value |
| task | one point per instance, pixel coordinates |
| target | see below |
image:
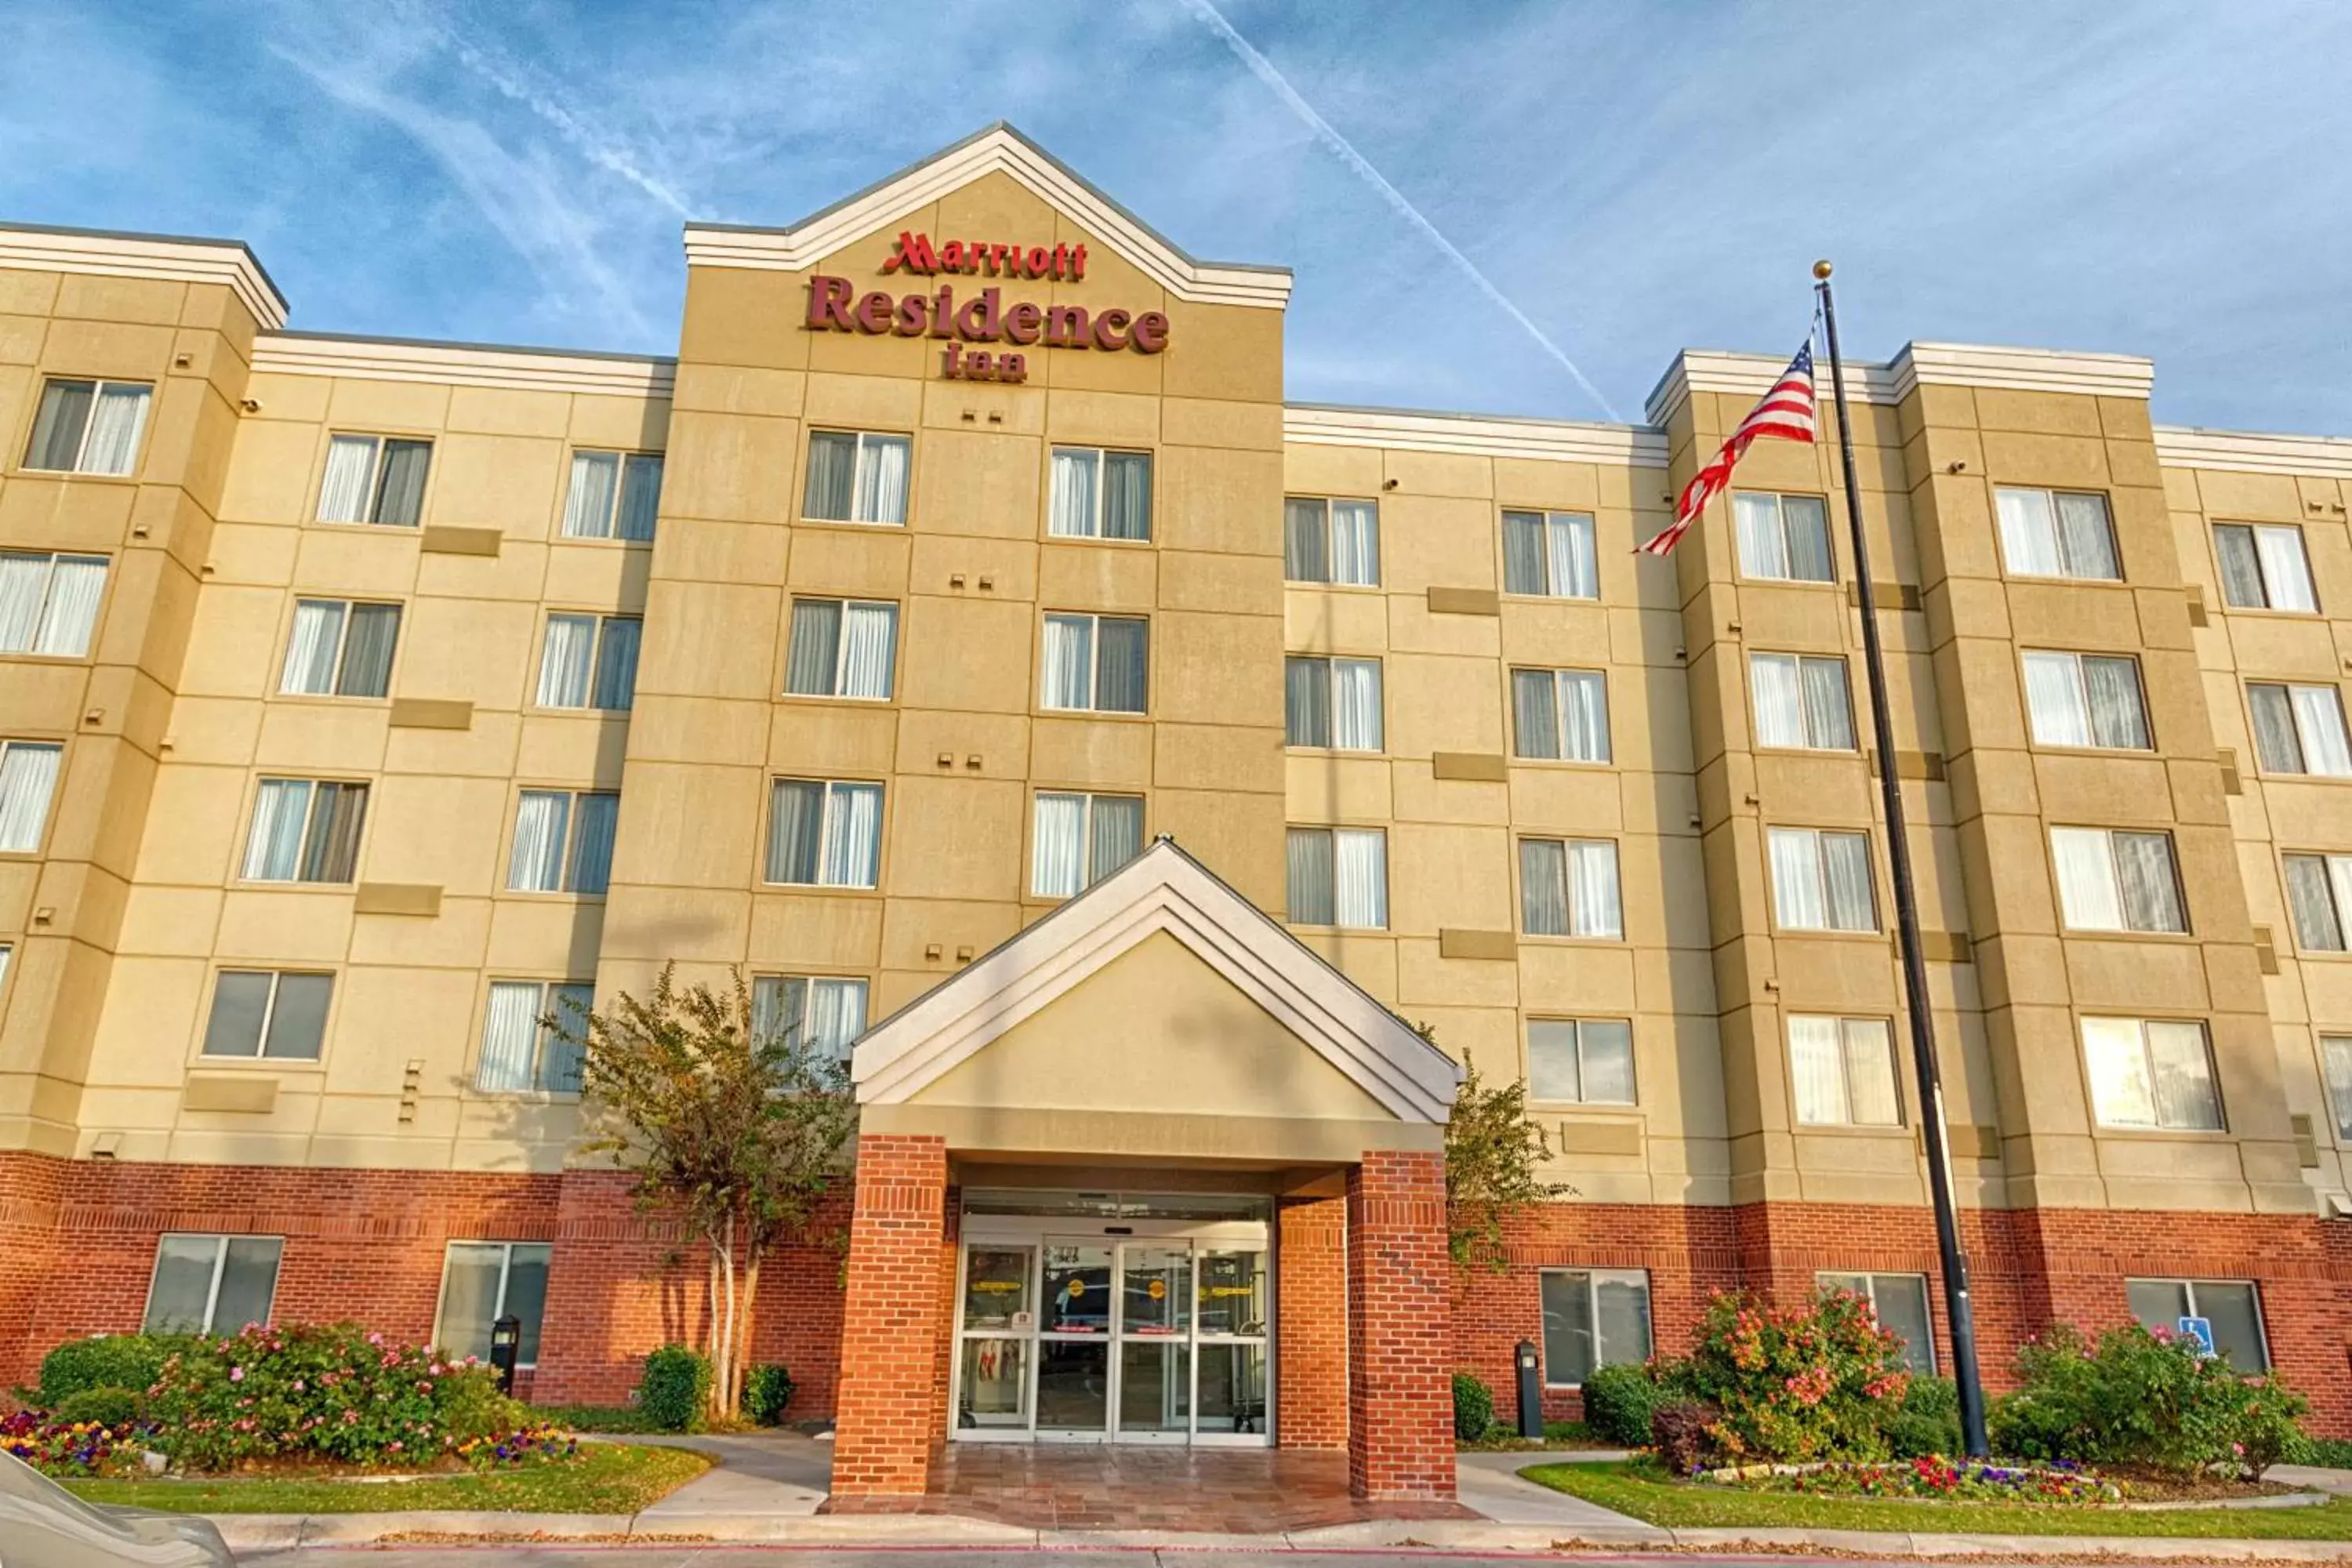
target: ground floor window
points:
(1593, 1317)
(2232, 1308)
(1899, 1303)
(212, 1284)
(482, 1282)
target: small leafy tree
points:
(738, 1133)
(1493, 1156)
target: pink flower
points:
(375, 1339)
(299, 1386)
(237, 1374)
(436, 1369)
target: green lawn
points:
(616, 1419)
(1645, 1492)
(607, 1477)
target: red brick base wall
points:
(1310, 1322)
(1400, 1373)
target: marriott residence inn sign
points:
(834, 305)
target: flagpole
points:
(1907, 924)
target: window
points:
(2150, 1072)
(824, 1015)
(1821, 880)
(1082, 838)
(613, 495)
(1551, 555)
(1783, 538)
(856, 477)
(212, 1284)
(1802, 702)
(2086, 699)
(48, 603)
(1339, 877)
(305, 830)
(1843, 1071)
(482, 1282)
(1561, 714)
(339, 648)
(2300, 728)
(1580, 1061)
(29, 775)
(825, 834)
(2334, 1065)
(590, 661)
(2057, 534)
(1899, 1303)
(842, 648)
(1568, 887)
(264, 1013)
(374, 478)
(563, 841)
(2263, 567)
(1593, 1317)
(2232, 1308)
(1333, 702)
(1100, 495)
(1097, 663)
(532, 1034)
(2112, 880)
(89, 428)
(1332, 542)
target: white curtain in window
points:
(1575, 564)
(1763, 548)
(1535, 713)
(2339, 885)
(1870, 1073)
(2028, 533)
(343, 496)
(28, 776)
(2312, 898)
(537, 864)
(588, 504)
(509, 1035)
(2116, 1062)
(1057, 868)
(594, 819)
(1356, 704)
(2334, 1062)
(2055, 701)
(1845, 872)
(836, 1016)
(1543, 886)
(1592, 889)
(1306, 555)
(1355, 543)
(614, 687)
(310, 650)
(1524, 560)
(76, 584)
(1309, 873)
(1798, 899)
(1817, 1070)
(1584, 715)
(273, 852)
(881, 479)
(565, 662)
(1072, 514)
(1363, 877)
(24, 589)
(2117, 716)
(1779, 697)
(1069, 662)
(2183, 1073)
(869, 631)
(1807, 526)
(2085, 542)
(641, 478)
(1829, 711)
(2284, 572)
(853, 835)
(2087, 894)
(114, 427)
(2319, 721)
(1114, 834)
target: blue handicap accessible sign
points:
(2197, 1329)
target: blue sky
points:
(2166, 179)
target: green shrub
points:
(1681, 1432)
(1619, 1402)
(110, 1360)
(1474, 1407)
(105, 1407)
(2137, 1397)
(1815, 1382)
(766, 1390)
(1926, 1423)
(676, 1388)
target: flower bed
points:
(72, 1447)
(1972, 1480)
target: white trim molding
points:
(170, 257)
(2254, 452)
(998, 149)
(465, 365)
(1477, 435)
(1937, 365)
(1163, 890)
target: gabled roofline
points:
(121, 253)
(998, 147)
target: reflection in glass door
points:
(1074, 1339)
(1155, 1357)
(997, 1326)
(1231, 1340)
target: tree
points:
(1492, 1153)
(738, 1133)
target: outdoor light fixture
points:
(506, 1337)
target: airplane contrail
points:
(1263, 70)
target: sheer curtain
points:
(2275, 738)
(1808, 531)
(1575, 561)
(1845, 865)
(510, 1031)
(273, 850)
(2312, 897)
(400, 490)
(1122, 678)
(2054, 699)
(2086, 541)
(2284, 572)
(2151, 888)
(351, 470)
(310, 650)
(831, 476)
(1870, 1073)
(1362, 890)
(595, 817)
(866, 649)
(537, 863)
(2339, 884)
(1305, 557)
(368, 642)
(1535, 713)
(1543, 886)
(2029, 534)
(1817, 1070)
(1114, 836)
(1594, 908)
(852, 839)
(641, 477)
(2118, 716)
(1057, 857)
(617, 664)
(2116, 1062)
(808, 658)
(1796, 897)
(1127, 495)
(588, 505)
(836, 1016)
(1525, 558)
(796, 830)
(331, 843)
(1307, 701)
(1310, 876)
(1356, 704)
(1763, 548)
(565, 660)
(1829, 707)
(777, 1001)
(2319, 722)
(1072, 513)
(114, 427)
(1584, 715)
(2241, 567)
(1356, 544)
(2182, 1071)
(2335, 1064)
(561, 1044)
(76, 584)
(58, 429)
(29, 775)
(24, 589)
(1779, 697)
(881, 478)
(2087, 894)
(1069, 662)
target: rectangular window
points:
(533, 1035)
(1580, 1061)
(1338, 877)
(2232, 1308)
(2263, 567)
(2334, 1066)
(563, 841)
(339, 648)
(2086, 699)
(590, 661)
(1899, 1303)
(857, 477)
(374, 478)
(2150, 1072)
(1783, 539)
(1821, 880)
(482, 1282)
(1802, 702)
(267, 1013)
(1099, 494)
(2057, 534)
(212, 1284)
(822, 1013)
(1568, 887)
(1332, 702)
(1096, 663)
(1842, 1070)
(28, 777)
(613, 495)
(842, 648)
(305, 830)
(2300, 728)
(2112, 880)
(48, 603)
(89, 428)
(1593, 1317)
(1551, 555)
(1079, 839)
(1332, 542)
(1562, 714)
(824, 833)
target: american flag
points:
(1787, 411)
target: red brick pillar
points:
(886, 1426)
(1310, 1296)
(1399, 1385)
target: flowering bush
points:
(70, 1448)
(2143, 1397)
(1817, 1381)
(1973, 1480)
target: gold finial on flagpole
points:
(1822, 268)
